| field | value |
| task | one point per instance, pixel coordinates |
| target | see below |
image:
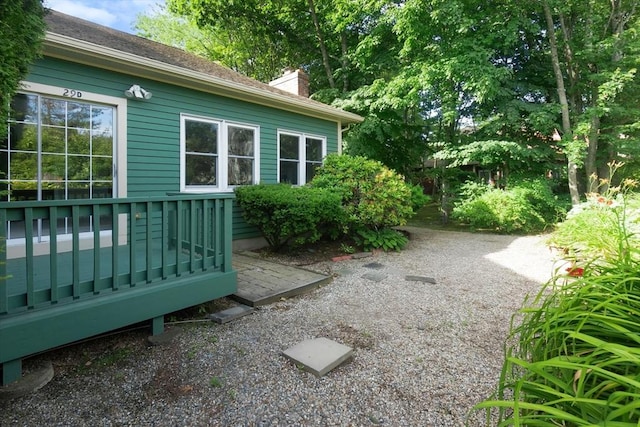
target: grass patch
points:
(430, 216)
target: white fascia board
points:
(68, 48)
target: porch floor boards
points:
(262, 282)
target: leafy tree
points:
(516, 84)
(236, 46)
(22, 29)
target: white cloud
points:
(81, 10)
(119, 14)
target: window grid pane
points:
(240, 161)
(240, 171)
(289, 147)
(201, 169)
(201, 137)
(289, 172)
(314, 150)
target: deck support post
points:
(157, 325)
(11, 371)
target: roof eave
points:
(68, 48)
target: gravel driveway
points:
(424, 353)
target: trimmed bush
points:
(287, 215)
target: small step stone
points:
(318, 355)
(422, 279)
(374, 265)
(232, 313)
(360, 255)
(374, 277)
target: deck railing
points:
(131, 242)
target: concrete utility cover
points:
(28, 383)
(319, 355)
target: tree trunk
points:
(572, 168)
(590, 165)
(345, 62)
(323, 47)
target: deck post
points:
(11, 371)
(157, 325)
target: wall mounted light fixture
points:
(136, 91)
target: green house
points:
(117, 178)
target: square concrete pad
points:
(319, 355)
(230, 314)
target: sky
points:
(118, 14)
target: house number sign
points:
(72, 93)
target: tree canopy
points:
(21, 31)
(455, 79)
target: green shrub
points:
(290, 215)
(373, 196)
(472, 189)
(500, 211)
(520, 209)
(593, 230)
(539, 193)
(577, 358)
(386, 239)
(418, 198)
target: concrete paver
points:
(231, 313)
(319, 355)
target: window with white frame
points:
(299, 155)
(217, 155)
(62, 143)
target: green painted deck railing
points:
(112, 262)
(163, 238)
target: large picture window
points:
(57, 149)
(61, 144)
(299, 155)
(217, 155)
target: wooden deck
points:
(161, 255)
(262, 282)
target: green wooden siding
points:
(153, 126)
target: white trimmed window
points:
(299, 155)
(62, 143)
(217, 155)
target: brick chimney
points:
(293, 81)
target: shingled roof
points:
(82, 41)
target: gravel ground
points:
(424, 353)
